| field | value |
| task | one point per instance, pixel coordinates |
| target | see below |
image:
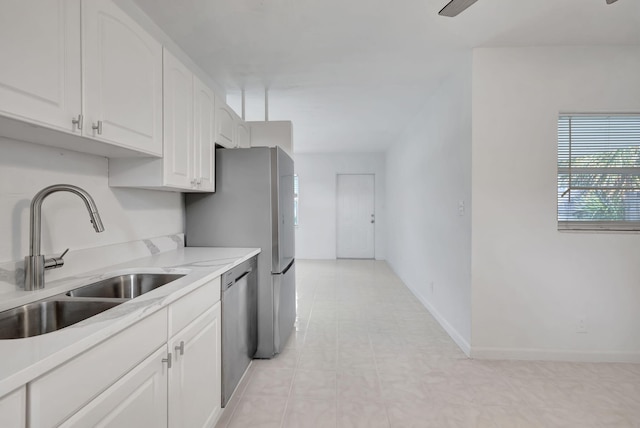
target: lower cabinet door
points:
(137, 400)
(13, 409)
(195, 378)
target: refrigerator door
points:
(284, 299)
(282, 195)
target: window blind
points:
(599, 172)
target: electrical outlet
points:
(461, 207)
(582, 326)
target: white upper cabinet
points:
(277, 133)
(40, 53)
(178, 123)
(204, 129)
(188, 162)
(86, 74)
(122, 72)
(243, 134)
(225, 124)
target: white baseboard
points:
(524, 354)
(528, 354)
(451, 331)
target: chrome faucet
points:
(35, 263)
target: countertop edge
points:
(154, 303)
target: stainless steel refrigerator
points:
(253, 207)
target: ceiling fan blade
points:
(611, 1)
(454, 7)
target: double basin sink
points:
(63, 310)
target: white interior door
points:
(356, 216)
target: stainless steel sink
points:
(125, 286)
(61, 311)
(46, 316)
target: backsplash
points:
(128, 215)
(86, 260)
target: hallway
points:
(366, 353)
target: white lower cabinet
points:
(13, 409)
(139, 399)
(60, 393)
(163, 371)
(195, 377)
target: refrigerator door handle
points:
(285, 270)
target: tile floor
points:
(366, 353)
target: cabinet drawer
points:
(65, 389)
(138, 399)
(188, 308)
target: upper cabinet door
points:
(122, 74)
(178, 123)
(40, 54)
(243, 135)
(225, 124)
(204, 130)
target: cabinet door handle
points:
(167, 360)
(180, 348)
(78, 121)
(97, 127)
(193, 183)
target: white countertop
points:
(25, 359)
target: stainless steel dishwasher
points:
(239, 296)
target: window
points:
(599, 172)
(296, 189)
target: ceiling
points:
(351, 74)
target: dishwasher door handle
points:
(232, 283)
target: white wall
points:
(316, 233)
(428, 173)
(127, 214)
(532, 283)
